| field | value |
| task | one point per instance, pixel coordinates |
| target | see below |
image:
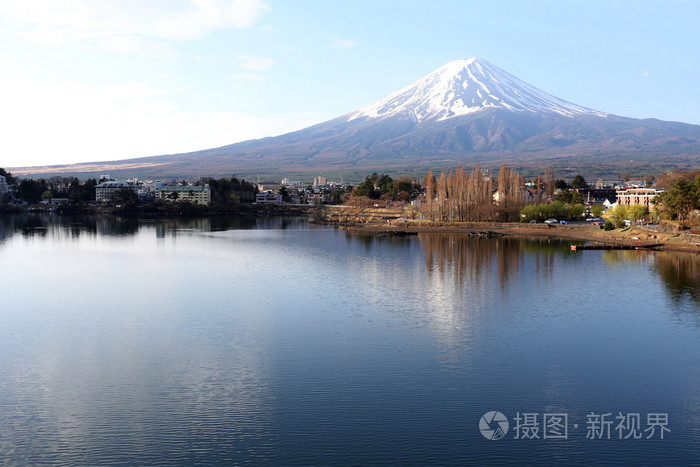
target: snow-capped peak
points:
(466, 86)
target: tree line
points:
(225, 191)
(681, 197)
(230, 191)
(33, 191)
(463, 196)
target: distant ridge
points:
(464, 112)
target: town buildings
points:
(598, 195)
(194, 194)
(267, 197)
(3, 185)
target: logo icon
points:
(493, 425)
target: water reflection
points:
(472, 259)
(680, 274)
(304, 347)
(369, 240)
(73, 226)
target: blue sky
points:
(96, 80)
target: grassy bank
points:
(386, 220)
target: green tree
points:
(223, 188)
(637, 212)
(569, 197)
(31, 190)
(81, 192)
(366, 188)
(8, 176)
(385, 184)
(597, 210)
(619, 215)
(46, 195)
(126, 196)
(556, 209)
(285, 194)
(579, 182)
(680, 198)
(575, 211)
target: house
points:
(316, 198)
(3, 185)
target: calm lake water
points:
(276, 342)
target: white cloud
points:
(129, 25)
(63, 123)
(252, 63)
(127, 44)
(248, 77)
(343, 44)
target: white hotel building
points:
(104, 192)
(193, 194)
(643, 196)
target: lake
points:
(233, 340)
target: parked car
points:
(596, 223)
(533, 222)
(563, 222)
(551, 221)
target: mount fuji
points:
(463, 87)
(464, 112)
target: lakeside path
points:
(669, 241)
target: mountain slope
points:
(466, 111)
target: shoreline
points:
(632, 236)
(383, 222)
(168, 210)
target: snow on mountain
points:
(463, 87)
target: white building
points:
(193, 194)
(105, 191)
(3, 185)
(291, 183)
(268, 198)
(600, 183)
(643, 196)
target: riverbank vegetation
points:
(681, 197)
